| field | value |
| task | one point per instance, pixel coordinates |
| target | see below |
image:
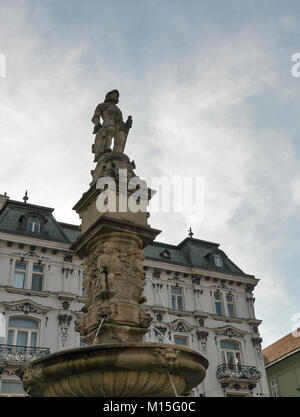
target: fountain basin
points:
(116, 370)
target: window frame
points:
(275, 388)
(238, 361)
(230, 303)
(219, 301)
(33, 221)
(186, 338)
(177, 296)
(219, 258)
(28, 330)
(20, 271)
(38, 274)
(7, 381)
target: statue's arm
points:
(96, 118)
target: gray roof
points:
(193, 253)
(13, 217)
(190, 252)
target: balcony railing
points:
(23, 354)
(237, 371)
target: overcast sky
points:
(210, 89)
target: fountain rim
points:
(63, 354)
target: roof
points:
(193, 253)
(14, 214)
(282, 347)
(190, 252)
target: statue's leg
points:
(119, 142)
(108, 142)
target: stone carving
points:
(180, 328)
(64, 333)
(202, 335)
(113, 126)
(145, 319)
(159, 317)
(64, 319)
(166, 358)
(108, 268)
(26, 308)
(113, 284)
(160, 329)
(229, 332)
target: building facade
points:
(282, 361)
(195, 294)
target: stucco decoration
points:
(26, 307)
(229, 331)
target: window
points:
(20, 275)
(177, 298)
(181, 340)
(275, 388)
(82, 343)
(230, 305)
(218, 261)
(37, 277)
(218, 303)
(12, 387)
(33, 225)
(230, 352)
(22, 332)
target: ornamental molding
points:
(30, 254)
(26, 307)
(229, 331)
(64, 319)
(181, 326)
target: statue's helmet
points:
(110, 94)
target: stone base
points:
(116, 370)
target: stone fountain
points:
(114, 231)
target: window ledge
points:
(26, 292)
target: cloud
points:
(207, 100)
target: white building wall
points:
(63, 283)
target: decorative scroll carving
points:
(229, 332)
(26, 307)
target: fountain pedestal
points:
(114, 231)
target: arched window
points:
(23, 332)
(230, 352)
(33, 225)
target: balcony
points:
(238, 377)
(21, 354)
(237, 372)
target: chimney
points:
(3, 200)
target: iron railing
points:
(237, 371)
(22, 354)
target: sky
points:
(210, 89)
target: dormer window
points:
(33, 225)
(165, 254)
(218, 261)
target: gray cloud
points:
(207, 101)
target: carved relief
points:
(108, 268)
(166, 358)
(26, 308)
(229, 332)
